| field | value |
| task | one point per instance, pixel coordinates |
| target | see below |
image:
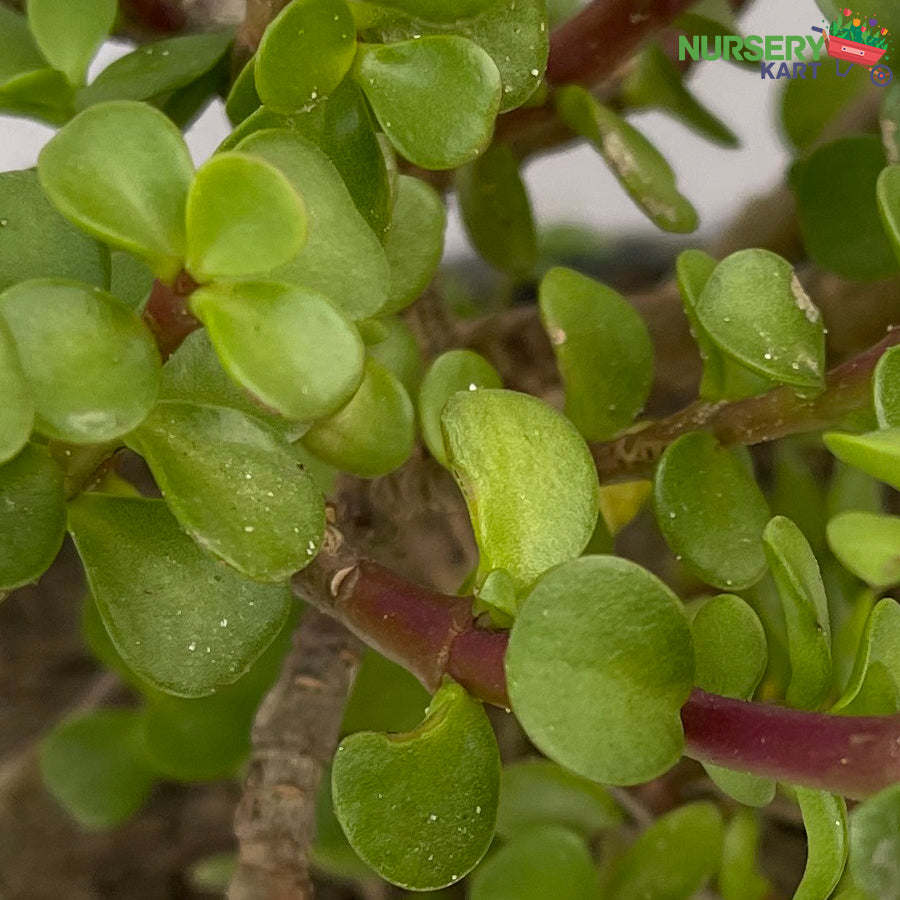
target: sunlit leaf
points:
(868, 544)
(825, 820)
(876, 453)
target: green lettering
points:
(689, 47)
(732, 40)
(753, 48)
(774, 43)
(816, 45)
(792, 41)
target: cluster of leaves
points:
(295, 247)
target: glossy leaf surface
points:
(876, 453)
(63, 327)
(599, 663)
(528, 479)
(17, 409)
(420, 807)
(178, 617)
(825, 820)
(602, 349)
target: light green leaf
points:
(130, 185)
(304, 54)
(178, 617)
(796, 574)
(874, 685)
(868, 544)
(399, 352)
(44, 94)
(420, 807)
(537, 792)
(755, 310)
(32, 516)
(17, 409)
(156, 69)
(69, 32)
(455, 370)
(415, 241)
(599, 663)
(838, 210)
(436, 98)
(94, 767)
(673, 858)
(243, 218)
(234, 487)
(876, 453)
(825, 820)
(875, 845)
(342, 258)
(886, 382)
(638, 165)
(291, 348)
(547, 861)
(711, 511)
(496, 211)
(528, 479)
(739, 877)
(602, 349)
(374, 433)
(63, 327)
(37, 242)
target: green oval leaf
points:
(243, 218)
(547, 861)
(69, 32)
(602, 349)
(875, 845)
(537, 792)
(32, 516)
(130, 185)
(886, 382)
(599, 663)
(876, 453)
(178, 617)
(455, 370)
(496, 211)
(528, 478)
(838, 210)
(825, 820)
(420, 807)
(234, 487)
(868, 545)
(374, 433)
(436, 97)
(63, 327)
(342, 258)
(37, 242)
(304, 53)
(673, 858)
(639, 166)
(292, 349)
(94, 767)
(711, 511)
(18, 51)
(888, 197)
(17, 409)
(414, 242)
(399, 352)
(756, 311)
(805, 605)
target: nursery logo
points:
(851, 37)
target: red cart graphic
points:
(858, 40)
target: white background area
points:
(573, 186)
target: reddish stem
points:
(167, 316)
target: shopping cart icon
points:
(856, 53)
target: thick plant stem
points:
(294, 737)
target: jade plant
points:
(246, 392)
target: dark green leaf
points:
(130, 280)
(602, 349)
(875, 845)
(796, 573)
(17, 409)
(528, 478)
(304, 54)
(838, 211)
(178, 617)
(547, 861)
(638, 165)
(711, 511)
(374, 433)
(440, 10)
(436, 97)
(455, 370)
(94, 768)
(420, 807)
(156, 69)
(291, 348)
(886, 382)
(18, 51)
(331, 852)
(37, 242)
(243, 218)
(32, 516)
(342, 258)
(599, 663)
(890, 123)
(130, 185)
(825, 820)
(876, 453)
(242, 100)
(739, 877)
(63, 327)
(868, 544)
